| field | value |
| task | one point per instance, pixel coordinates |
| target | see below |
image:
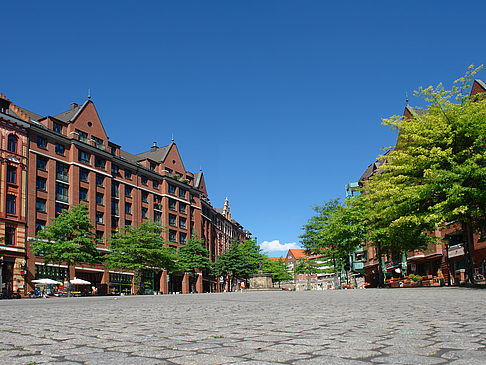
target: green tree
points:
(193, 255)
(241, 260)
(335, 231)
(68, 239)
(308, 267)
(277, 268)
(140, 248)
(436, 174)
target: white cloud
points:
(275, 245)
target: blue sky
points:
(279, 102)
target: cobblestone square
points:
(389, 326)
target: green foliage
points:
(307, 266)
(140, 248)
(193, 255)
(68, 239)
(335, 230)
(241, 260)
(437, 172)
(277, 268)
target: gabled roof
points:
(481, 83)
(128, 156)
(373, 167)
(155, 153)
(297, 253)
(416, 111)
(71, 114)
(197, 179)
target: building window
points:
(144, 180)
(99, 198)
(82, 136)
(99, 217)
(60, 208)
(115, 170)
(114, 224)
(115, 189)
(11, 202)
(100, 163)
(83, 195)
(144, 196)
(10, 236)
(192, 212)
(11, 174)
(155, 184)
(172, 189)
(56, 127)
(84, 157)
(60, 149)
(157, 202)
(83, 174)
(41, 163)
(182, 207)
(40, 205)
(99, 236)
(128, 174)
(128, 191)
(172, 220)
(182, 193)
(62, 172)
(98, 142)
(152, 166)
(39, 226)
(172, 235)
(12, 143)
(144, 212)
(182, 222)
(128, 208)
(157, 217)
(100, 180)
(114, 208)
(41, 183)
(172, 204)
(41, 142)
(62, 192)
(182, 237)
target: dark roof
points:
(373, 167)
(155, 153)
(31, 115)
(69, 115)
(128, 156)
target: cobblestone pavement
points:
(393, 326)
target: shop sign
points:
(456, 251)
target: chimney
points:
(73, 105)
(154, 147)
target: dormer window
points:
(98, 142)
(152, 166)
(82, 136)
(56, 127)
(12, 143)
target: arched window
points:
(12, 143)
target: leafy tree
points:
(140, 248)
(68, 239)
(241, 260)
(335, 230)
(308, 267)
(436, 174)
(277, 268)
(193, 255)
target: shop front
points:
(120, 283)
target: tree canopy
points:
(68, 238)
(241, 260)
(193, 255)
(277, 268)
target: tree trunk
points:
(381, 277)
(68, 286)
(468, 251)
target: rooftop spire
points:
(172, 137)
(406, 97)
(89, 94)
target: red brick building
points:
(13, 196)
(71, 161)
